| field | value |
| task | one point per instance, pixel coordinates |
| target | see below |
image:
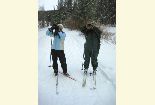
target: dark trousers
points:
(90, 54)
(61, 55)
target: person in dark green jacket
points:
(91, 46)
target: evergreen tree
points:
(76, 13)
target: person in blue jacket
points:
(57, 47)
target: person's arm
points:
(49, 32)
(62, 35)
(84, 30)
(98, 32)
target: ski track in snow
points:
(71, 92)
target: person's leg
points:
(87, 55)
(94, 61)
(54, 58)
(62, 59)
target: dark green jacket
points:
(92, 38)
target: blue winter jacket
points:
(58, 42)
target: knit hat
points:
(60, 26)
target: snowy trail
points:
(71, 92)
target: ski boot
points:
(56, 74)
(66, 74)
(85, 71)
(94, 72)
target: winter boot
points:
(94, 72)
(56, 74)
(85, 71)
(66, 74)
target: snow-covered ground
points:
(71, 92)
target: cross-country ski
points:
(93, 80)
(57, 82)
(68, 76)
(84, 79)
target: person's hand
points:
(50, 29)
